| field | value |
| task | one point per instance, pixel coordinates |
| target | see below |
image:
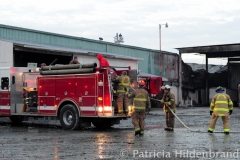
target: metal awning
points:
(52, 48)
(214, 51)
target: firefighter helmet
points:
(167, 87)
(219, 88)
(141, 82)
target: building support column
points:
(207, 87)
(180, 79)
(228, 71)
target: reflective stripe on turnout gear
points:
(139, 108)
(227, 130)
(140, 99)
(137, 129)
(121, 91)
(211, 129)
(221, 102)
(221, 109)
(123, 83)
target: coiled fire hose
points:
(186, 125)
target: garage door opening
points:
(22, 58)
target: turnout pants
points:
(170, 119)
(138, 120)
(122, 103)
(225, 119)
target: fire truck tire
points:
(102, 125)
(69, 117)
(16, 119)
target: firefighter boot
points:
(166, 129)
(137, 131)
(119, 114)
(170, 129)
(141, 133)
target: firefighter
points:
(141, 103)
(169, 101)
(74, 61)
(122, 99)
(102, 61)
(222, 106)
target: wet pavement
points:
(41, 139)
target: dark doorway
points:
(22, 58)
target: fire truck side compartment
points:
(16, 88)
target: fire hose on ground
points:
(186, 125)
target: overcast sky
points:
(191, 22)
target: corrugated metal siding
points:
(93, 46)
(150, 64)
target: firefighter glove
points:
(115, 78)
(211, 112)
(168, 103)
(230, 112)
(161, 101)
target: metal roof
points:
(69, 50)
(13, 32)
(212, 51)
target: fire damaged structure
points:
(197, 85)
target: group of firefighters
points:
(221, 105)
(141, 103)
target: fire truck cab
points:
(76, 99)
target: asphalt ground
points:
(45, 139)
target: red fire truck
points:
(77, 95)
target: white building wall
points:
(193, 96)
(6, 54)
(174, 90)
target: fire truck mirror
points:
(13, 79)
(4, 83)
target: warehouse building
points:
(20, 47)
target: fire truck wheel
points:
(16, 119)
(69, 117)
